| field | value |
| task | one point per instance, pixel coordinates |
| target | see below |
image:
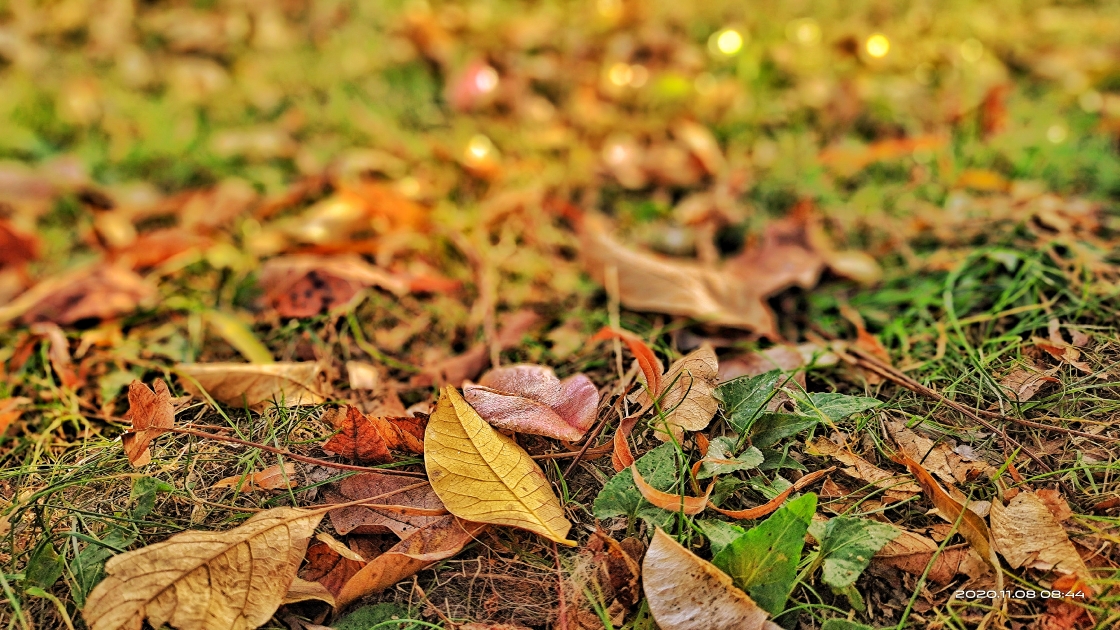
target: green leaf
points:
(831, 407)
(370, 616)
(777, 459)
(763, 561)
(44, 567)
(843, 624)
(771, 428)
(723, 448)
(847, 544)
(743, 398)
(238, 335)
(719, 533)
(144, 491)
(620, 497)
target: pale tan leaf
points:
(686, 592)
(531, 399)
(484, 476)
(1023, 383)
(147, 410)
(1026, 533)
(913, 553)
(271, 478)
(362, 375)
(938, 458)
(686, 399)
(303, 590)
(230, 579)
(339, 547)
(438, 541)
(254, 385)
(895, 487)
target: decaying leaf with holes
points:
(484, 476)
(204, 580)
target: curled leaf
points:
(201, 580)
(148, 409)
(686, 401)
(621, 457)
(254, 385)
(686, 592)
(484, 476)
(647, 360)
(271, 478)
(671, 502)
(530, 399)
(369, 438)
(775, 503)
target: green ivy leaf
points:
(723, 448)
(771, 428)
(744, 398)
(620, 497)
(831, 407)
(720, 534)
(847, 545)
(44, 567)
(763, 561)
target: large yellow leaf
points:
(484, 476)
(203, 580)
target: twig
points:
(1045, 427)
(594, 436)
(597, 452)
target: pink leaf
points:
(531, 399)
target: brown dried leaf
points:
(10, 412)
(231, 579)
(397, 492)
(621, 457)
(16, 248)
(619, 568)
(895, 487)
(254, 385)
(369, 438)
(1026, 533)
(773, 504)
(305, 285)
(98, 292)
(302, 591)
(530, 399)
(912, 553)
(938, 458)
(271, 478)
(438, 541)
(686, 400)
(687, 593)
(147, 409)
(1024, 382)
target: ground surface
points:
(923, 197)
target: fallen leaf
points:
(160, 246)
(230, 579)
(98, 292)
(621, 457)
(254, 385)
(648, 282)
(484, 476)
(620, 495)
(847, 545)
(329, 567)
(304, 285)
(10, 412)
(849, 160)
(271, 478)
(424, 547)
(619, 566)
(746, 397)
(937, 458)
(913, 553)
(647, 360)
(770, 506)
(671, 502)
(147, 409)
(301, 591)
(972, 527)
(16, 248)
(58, 352)
(1056, 503)
(370, 438)
(398, 495)
(686, 401)
(895, 487)
(720, 459)
(687, 593)
(780, 357)
(362, 375)
(1026, 533)
(530, 399)
(1024, 382)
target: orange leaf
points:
(414, 505)
(621, 457)
(672, 502)
(148, 410)
(776, 502)
(10, 412)
(369, 438)
(651, 367)
(271, 478)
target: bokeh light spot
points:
(878, 45)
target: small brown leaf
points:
(271, 478)
(438, 541)
(938, 458)
(99, 292)
(687, 593)
(621, 457)
(397, 493)
(328, 567)
(201, 580)
(16, 248)
(671, 502)
(530, 399)
(254, 385)
(686, 400)
(1026, 533)
(305, 285)
(10, 412)
(1024, 382)
(369, 438)
(147, 410)
(912, 553)
(895, 487)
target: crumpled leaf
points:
(1026, 533)
(744, 398)
(530, 399)
(686, 399)
(147, 409)
(254, 385)
(438, 541)
(686, 592)
(370, 438)
(484, 476)
(619, 569)
(720, 460)
(620, 495)
(896, 488)
(397, 493)
(203, 580)
(1022, 383)
(847, 545)
(271, 478)
(763, 561)
(912, 553)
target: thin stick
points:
(594, 436)
(1045, 427)
(598, 451)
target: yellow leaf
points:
(238, 335)
(231, 579)
(484, 476)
